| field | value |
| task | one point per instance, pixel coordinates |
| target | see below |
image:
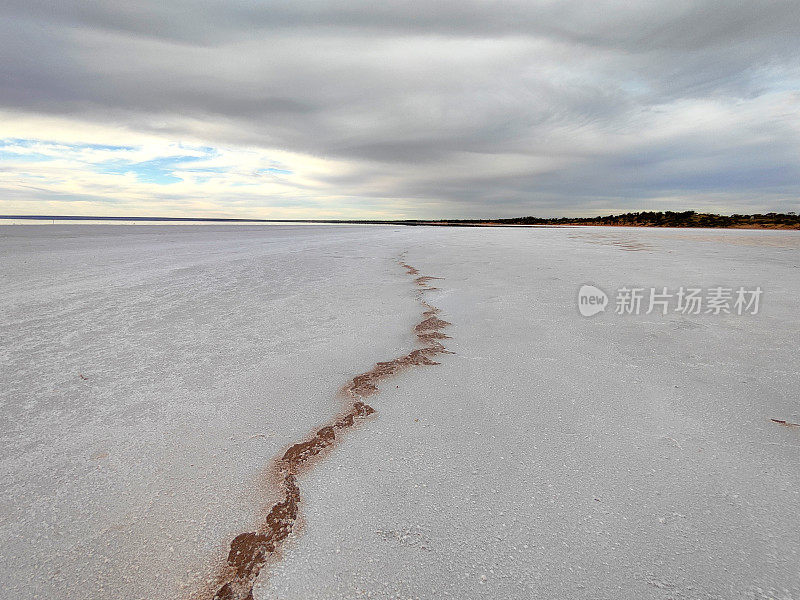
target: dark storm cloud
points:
(487, 107)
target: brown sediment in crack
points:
(431, 324)
(250, 552)
(423, 281)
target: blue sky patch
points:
(158, 170)
(275, 171)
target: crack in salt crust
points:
(250, 552)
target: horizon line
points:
(352, 220)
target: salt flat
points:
(149, 375)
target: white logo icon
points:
(591, 300)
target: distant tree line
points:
(687, 218)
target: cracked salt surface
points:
(251, 551)
(551, 456)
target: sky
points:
(365, 109)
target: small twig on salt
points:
(785, 423)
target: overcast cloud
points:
(388, 109)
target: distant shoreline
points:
(684, 220)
